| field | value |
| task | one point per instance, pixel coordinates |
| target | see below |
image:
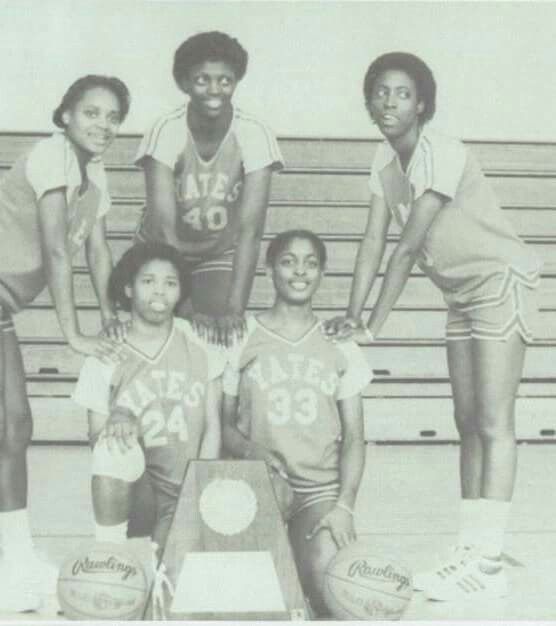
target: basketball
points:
(102, 582)
(361, 585)
(283, 493)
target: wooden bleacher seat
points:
(324, 188)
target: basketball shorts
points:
(305, 497)
(518, 312)
(210, 283)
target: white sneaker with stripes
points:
(447, 565)
(478, 579)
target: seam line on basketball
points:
(348, 580)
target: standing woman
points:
(208, 168)
(52, 202)
(452, 227)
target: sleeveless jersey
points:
(288, 393)
(51, 164)
(166, 394)
(471, 251)
(208, 193)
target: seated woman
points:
(293, 399)
(208, 168)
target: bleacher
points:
(324, 188)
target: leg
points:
(498, 366)
(23, 575)
(15, 423)
(460, 367)
(312, 556)
(114, 475)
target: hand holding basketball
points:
(339, 521)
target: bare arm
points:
(212, 437)
(352, 455)
(403, 258)
(252, 215)
(339, 520)
(58, 268)
(369, 256)
(161, 202)
(99, 260)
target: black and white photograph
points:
(277, 311)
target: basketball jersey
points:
(471, 251)
(51, 164)
(288, 394)
(166, 394)
(208, 193)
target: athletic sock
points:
(469, 511)
(17, 540)
(493, 520)
(117, 533)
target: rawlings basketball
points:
(101, 582)
(284, 494)
(361, 585)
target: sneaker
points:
(15, 595)
(479, 578)
(444, 567)
(33, 573)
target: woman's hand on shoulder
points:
(342, 328)
(205, 326)
(101, 347)
(224, 330)
(116, 329)
(231, 328)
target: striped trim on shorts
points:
(223, 263)
(6, 324)
(514, 311)
(308, 495)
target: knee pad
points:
(127, 466)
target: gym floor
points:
(407, 508)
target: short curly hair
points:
(210, 46)
(91, 81)
(279, 243)
(127, 268)
(414, 67)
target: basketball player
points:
(52, 203)
(153, 409)
(208, 168)
(452, 226)
(293, 399)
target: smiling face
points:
(210, 86)
(155, 292)
(93, 121)
(297, 272)
(394, 105)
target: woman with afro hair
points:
(453, 228)
(208, 168)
